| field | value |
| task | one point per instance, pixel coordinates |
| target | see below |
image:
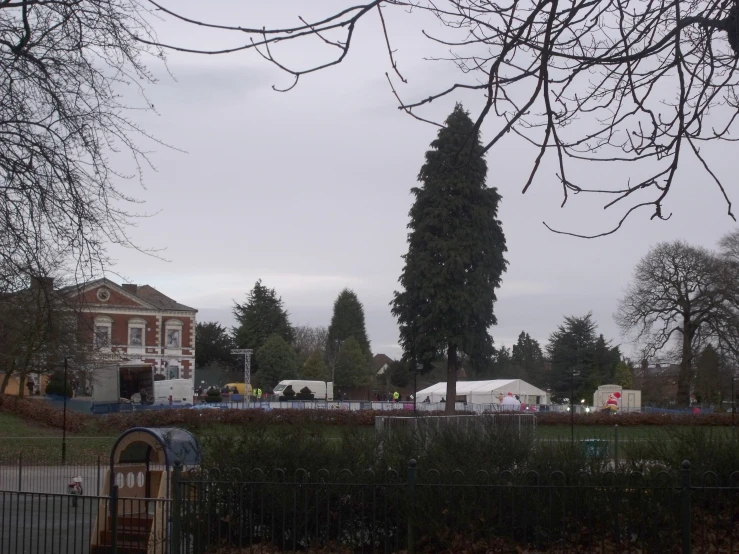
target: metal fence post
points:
(97, 491)
(175, 539)
(114, 519)
(412, 507)
(20, 471)
(685, 507)
(615, 446)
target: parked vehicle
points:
(320, 390)
(240, 388)
(173, 392)
(124, 383)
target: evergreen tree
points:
(502, 364)
(277, 361)
(622, 375)
(400, 374)
(605, 360)
(351, 365)
(455, 256)
(527, 359)
(711, 377)
(571, 352)
(261, 316)
(348, 321)
(315, 367)
(213, 344)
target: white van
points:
(181, 392)
(320, 389)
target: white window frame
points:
(102, 321)
(137, 323)
(173, 324)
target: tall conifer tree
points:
(455, 256)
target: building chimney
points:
(129, 287)
(42, 283)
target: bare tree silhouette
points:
(607, 81)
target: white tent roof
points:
(502, 386)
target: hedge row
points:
(633, 419)
(45, 414)
(39, 411)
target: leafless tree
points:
(63, 67)
(683, 296)
(39, 326)
(309, 339)
(609, 81)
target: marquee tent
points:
(486, 392)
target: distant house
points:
(381, 363)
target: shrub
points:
(46, 414)
(58, 386)
(213, 396)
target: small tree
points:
(261, 316)
(277, 361)
(400, 374)
(348, 321)
(315, 367)
(351, 365)
(57, 386)
(623, 376)
(213, 344)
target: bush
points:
(213, 396)
(56, 385)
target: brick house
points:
(136, 323)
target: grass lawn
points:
(40, 443)
(625, 433)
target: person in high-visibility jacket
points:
(259, 394)
(396, 396)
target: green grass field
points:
(37, 442)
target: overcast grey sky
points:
(309, 190)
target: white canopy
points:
(486, 392)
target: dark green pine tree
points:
(528, 359)
(348, 321)
(213, 344)
(455, 257)
(571, 352)
(260, 317)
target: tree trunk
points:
(451, 378)
(6, 380)
(22, 384)
(685, 376)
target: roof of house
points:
(147, 293)
(162, 301)
(380, 360)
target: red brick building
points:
(137, 323)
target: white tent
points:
(486, 392)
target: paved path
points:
(51, 479)
(32, 523)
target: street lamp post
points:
(572, 408)
(64, 416)
(246, 352)
(733, 397)
(419, 367)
